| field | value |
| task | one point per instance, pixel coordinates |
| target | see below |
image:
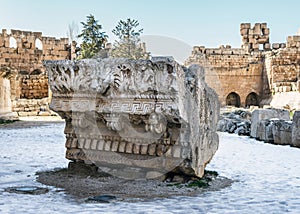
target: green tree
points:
(93, 40)
(128, 45)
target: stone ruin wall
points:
(256, 38)
(23, 52)
(285, 66)
(223, 62)
(257, 68)
(34, 86)
(256, 73)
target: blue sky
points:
(194, 22)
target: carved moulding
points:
(149, 117)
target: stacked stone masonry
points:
(252, 75)
(258, 73)
(252, 38)
(32, 107)
(22, 52)
(34, 86)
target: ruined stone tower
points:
(256, 38)
(258, 73)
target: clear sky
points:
(194, 22)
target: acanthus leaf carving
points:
(144, 108)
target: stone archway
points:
(252, 99)
(233, 99)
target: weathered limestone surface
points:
(22, 52)
(264, 131)
(253, 75)
(237, 122)
(296, 129)
(289, 100)
(137, 117)
(275, 131)
(5, 95)
(267, 125)
(262, 114)
(282, 132)
(253, 37)
(5, 105)
(34, 86)
(32, 107)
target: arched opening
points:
(23, 72)
(38, 44)
(233, 99)
(252, 99)
(12, 42)
(36, 72)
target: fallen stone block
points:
(296, 129)
(140, 115)
(264, 131)
(282, 132)
(261, 114)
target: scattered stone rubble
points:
(237, 122)
(268, 125)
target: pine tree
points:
(93, 40)
(128, 45)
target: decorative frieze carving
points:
(152, 114)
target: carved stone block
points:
(155, 115)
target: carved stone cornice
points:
(153, 114)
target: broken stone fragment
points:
(296, 129)
(136, 118)
(262, 114)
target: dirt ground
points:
(83, 186)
